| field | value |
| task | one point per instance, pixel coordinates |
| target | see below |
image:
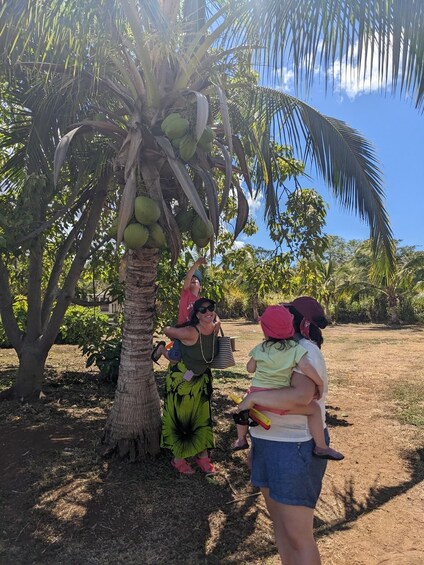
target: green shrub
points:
(352, 313)
(83, 325)
(106, 355)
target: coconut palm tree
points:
(159, 58)
(402, 283)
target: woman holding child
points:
(283, 461)
(187, 421)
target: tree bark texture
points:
(30, 375)
(134, 424)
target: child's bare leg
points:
(286, 398)
(313, 412)
(241, 442)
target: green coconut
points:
(135, 236)
(207, 136)
(184, 219)
(201, 230)
(201, 242)
(146, 210)
(157, 236)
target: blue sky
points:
(395, 129)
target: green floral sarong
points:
(187, 420)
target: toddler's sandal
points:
(155, 355)
(328, 453)
(239, 445)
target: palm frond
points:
(380, 36)
(183, 177)
(341, 155)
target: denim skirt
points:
(289, 470)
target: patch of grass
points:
(409, 398)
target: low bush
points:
(106, 355)
(83, 325)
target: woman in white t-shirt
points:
(283, 463)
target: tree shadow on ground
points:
(377, 496)
(62, 503)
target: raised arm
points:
(191, 271)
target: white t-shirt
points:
(294, 428)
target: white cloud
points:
(286, 79)
(254, 203)
(238, 244)
(347, 77)
(352, 80)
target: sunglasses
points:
(203, 309)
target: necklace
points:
(201, 348)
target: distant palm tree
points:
(403, 282)
(165, 56)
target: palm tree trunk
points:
(133, 427)
(393, 303)
(255, 308)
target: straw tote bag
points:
(224, 358)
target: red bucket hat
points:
(277, 322)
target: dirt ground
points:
(61, 503)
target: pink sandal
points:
(205, 464)
(183, 467)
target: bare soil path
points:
(61, 503)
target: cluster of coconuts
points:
(145, 231)
(189, 222)
(177, 129)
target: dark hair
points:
(315, 333)
(283, 343)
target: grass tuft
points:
(409, 398)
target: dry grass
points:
(61, 503)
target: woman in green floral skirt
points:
(187, 420)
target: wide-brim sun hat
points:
(308, 307)
(277, 322)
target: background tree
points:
(402, 284)
(47, 232)
(256, 272)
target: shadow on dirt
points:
(377, 496)
(333, 419)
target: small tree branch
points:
(58, 214)
(66, 295)
(33, 328)
(8, 319)
(92, 303)
(51, 290)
